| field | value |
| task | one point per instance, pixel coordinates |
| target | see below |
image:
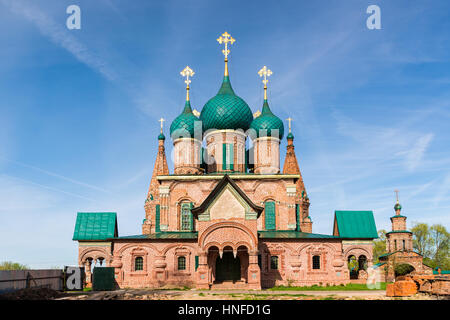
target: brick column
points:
(202, 271)
(254, 273)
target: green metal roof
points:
(399, 231)
(356, 224)
(183, 125)
(399, 216)
(266, 122)
(378, 265)
(95, 226)
(226, 110)
(290, 234)
(162, 235)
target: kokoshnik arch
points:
(228, 214)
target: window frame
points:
(141, 262)
(277, 260)
(315, 263)
(179, 259)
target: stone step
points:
(229, 285)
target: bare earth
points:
(149, 294)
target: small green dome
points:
(184, 124)
(161, 136)
(226, 110)
(290, 136)
(397, 206)
(266, 122)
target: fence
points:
(11, 280)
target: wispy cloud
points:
(60, 35)
(416, 154)
(52, 174)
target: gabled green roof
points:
(291, 234)
(95, 226)
(355, 224)
(162, 235)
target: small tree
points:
(379, 245)
(440, 239)
(421, 239)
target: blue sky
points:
(79, 108)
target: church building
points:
(229, 215)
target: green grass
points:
(347, 287)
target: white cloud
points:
(415, 155)
(60, 36)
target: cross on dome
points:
(225, 38)
(161, 120)
(265, 72)
(289, 122)
(187, 72)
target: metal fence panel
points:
(11, 280)
(103, 279)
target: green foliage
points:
(9, 265)
(421, 239)
(403, 269)
(379, 245)
(433, 244)
(353, 264)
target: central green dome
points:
(226, 110)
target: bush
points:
(403, 269)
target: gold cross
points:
(161, 120)
(289, 121)
(265, 72)
(225, 38)
(187, 72)
(396, 192)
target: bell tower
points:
(399, 239)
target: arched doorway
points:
(228, 268)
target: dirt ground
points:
(152, 294)
(144, 294)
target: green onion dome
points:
(290, 136)
(266, 122)
(226, 110)
(397, 206)
(184, 124)
(161, 136)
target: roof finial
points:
(397, 206)
(225, 38)
(162, 120)
(265, 72)
(187, 72)
(289, 122)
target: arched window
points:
(274, 262)
(138, 264)
(316, 262)
(395, 244)
(182, 263)
(404, 245)
(186, 219)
